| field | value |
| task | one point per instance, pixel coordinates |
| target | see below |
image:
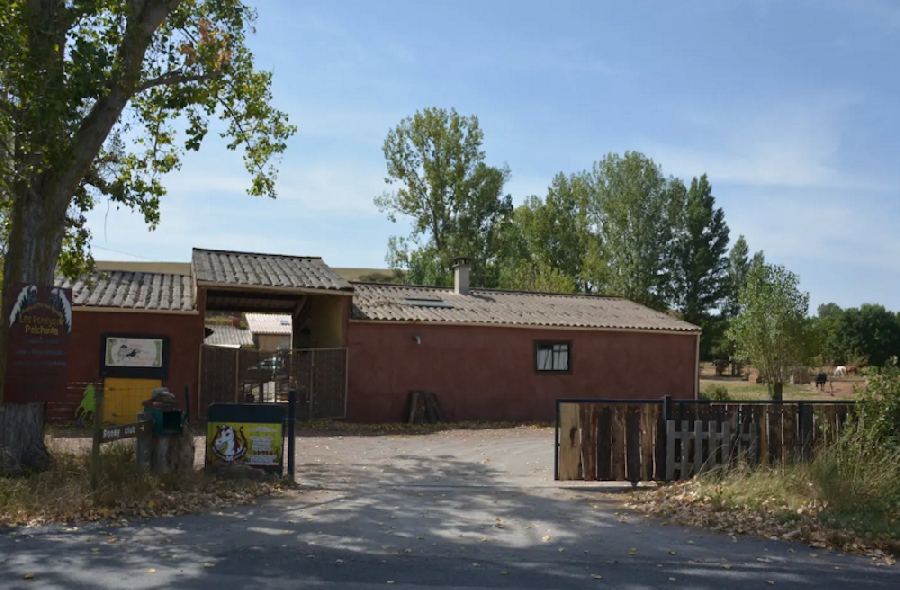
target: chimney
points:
(461, 276)
(236, 319)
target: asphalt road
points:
(465, 509)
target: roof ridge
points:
(108, 271)
(256, 254)
(489, 290)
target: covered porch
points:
(318, 303)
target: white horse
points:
(840, 371)
(224, 442)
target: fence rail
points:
(646, 440)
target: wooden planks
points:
(704, 445)
(589, 421)
(569, 443)
(422, 407)
(606, 440)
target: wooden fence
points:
(647, 440)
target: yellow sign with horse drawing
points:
(245, 434)
(250, 444)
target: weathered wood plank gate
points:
(662, 439)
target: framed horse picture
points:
(137, 356)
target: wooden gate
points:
(236, 375)
(664, 439)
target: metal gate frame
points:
(320, 376)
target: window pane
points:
(553, 357)
(544, 363)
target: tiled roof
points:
(229, 336)
(268, 323)
(265, 270)
(482, 306)
(131, 290)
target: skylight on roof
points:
(284, 323)
(427, 302)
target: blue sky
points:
(790, 107)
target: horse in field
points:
(840, 371)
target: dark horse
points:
(821, 380)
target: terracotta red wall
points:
(185, 332)
(487, 373)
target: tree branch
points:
(96, 126)
(176, 77)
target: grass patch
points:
(737, 389)
(846, 498)
(63, 492)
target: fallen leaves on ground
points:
(686, 504)
(206, 494)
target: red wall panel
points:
(488, 373)
(185, 332)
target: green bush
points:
(879, 406)
(715, 392)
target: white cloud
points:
(795, 145)
(824, 239)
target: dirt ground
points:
(837, 388)
(459, 510)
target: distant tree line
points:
(620, 228)
(868, 335)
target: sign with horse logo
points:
(40, 333)
(136, 356)
(245, 434)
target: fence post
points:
(556, 445)
(670, 450)
(698, 446)
(144, 442)
(98, 432)
(291, 424)
(726, 444)
(187, 403)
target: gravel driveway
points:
(458, 509)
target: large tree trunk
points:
(35, 240)
(22, 438)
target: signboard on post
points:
(40, 332)
(133, 430)
(245, 434)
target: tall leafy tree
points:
(736, 276)
(700, 248)
(554, 246)
(454, 200)
(700, 261)
(830, 347)
(632, 211)
(771, 330)
(871, 332)
(98, 102)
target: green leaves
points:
(101, 110)
(700, 264)
(633, 213)
(454, 199)
(771, 330)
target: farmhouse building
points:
(356, 350)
